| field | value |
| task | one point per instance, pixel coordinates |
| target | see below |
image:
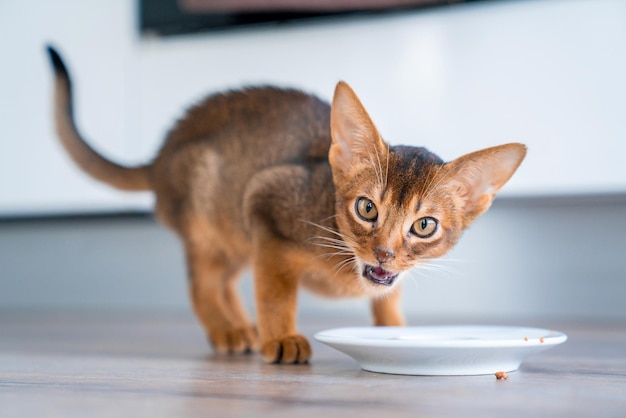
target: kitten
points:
(307, 194)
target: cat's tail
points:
(118, 176)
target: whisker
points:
(328, 239)
(325, 228)
(416, 273)
(342, 244)
(377, 169)
(440, 180)
(380, 168)
(339, 242)
(328, 256)
(431, 267)
(427, 187)
(344, 249)
(342, 264)
(343, 239)
(412, 278)
(327, 242)
(387, 168)
(328, 218)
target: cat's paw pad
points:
(293, 349)
(235, 340)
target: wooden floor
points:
(103, 366)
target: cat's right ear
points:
(355, 139)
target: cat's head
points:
(398, 207)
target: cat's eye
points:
(424, 227)
(366, 209)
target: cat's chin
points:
(379, 275)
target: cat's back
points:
(222, 143)
(259, 124)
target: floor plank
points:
(102, 365)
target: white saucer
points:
(440, 350)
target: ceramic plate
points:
(440, 350)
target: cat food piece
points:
(525, 338)
(541, 340)
(501, 375)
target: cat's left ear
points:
(355, 139)
(478, 176)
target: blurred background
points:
(451, 76)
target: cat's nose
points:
(383, 254)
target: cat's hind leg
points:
(190, 201)
(213, 291)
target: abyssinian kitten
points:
(307, 194)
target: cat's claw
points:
(235, 341)
(293, 349)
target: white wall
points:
(547, 73)
(100, 40)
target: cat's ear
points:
(355, 139)
(477, 177)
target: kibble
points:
(501, 375)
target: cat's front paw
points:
(293, 349)
(235, 340)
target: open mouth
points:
(379, 275)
